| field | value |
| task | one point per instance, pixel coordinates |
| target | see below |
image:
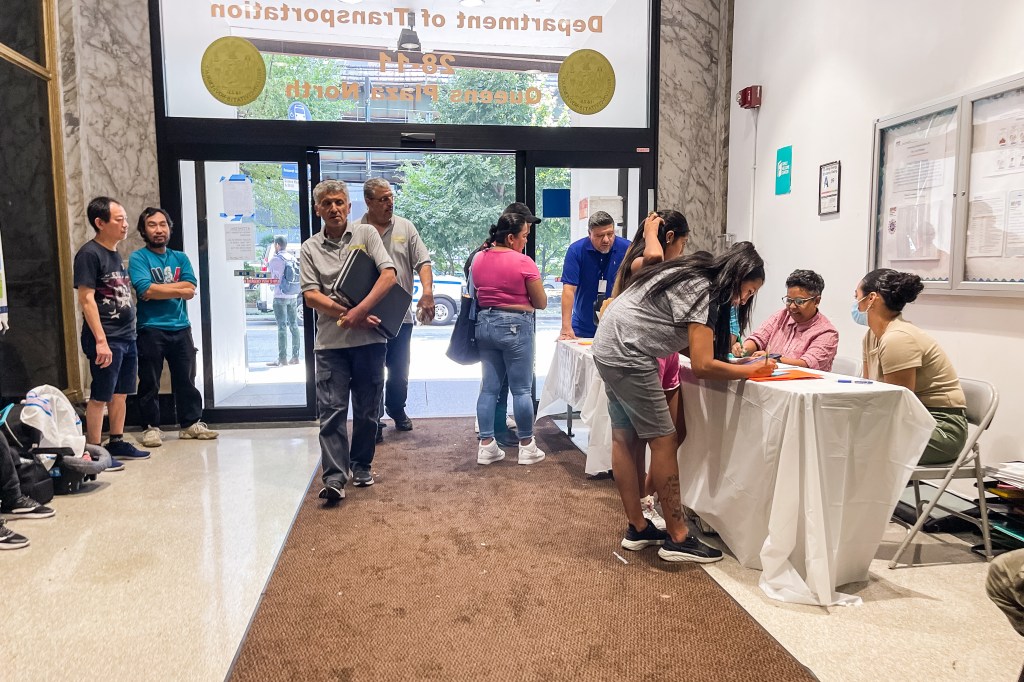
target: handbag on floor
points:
(462, 347)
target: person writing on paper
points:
(800, 333)
(508, 289)
(897, 352)
(681, 303)
(349, 353)
(662, 237)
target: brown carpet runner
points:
(447, 570)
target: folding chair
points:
(847, 366)
(982, 400)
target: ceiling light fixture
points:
(408, 40)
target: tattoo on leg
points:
(671, 501)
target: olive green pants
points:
(1005, 586)
(948, 438)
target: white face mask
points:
(859, 317)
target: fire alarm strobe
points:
(749, 97)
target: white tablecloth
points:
(799, 477)
(573, 380)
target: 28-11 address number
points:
(430, 65)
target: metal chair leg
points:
(917, 498)
(986, 533)
(568, 420)
(922, 517)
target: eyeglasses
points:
(386, 199)
(797, 301)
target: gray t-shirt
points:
(407, 250)
(635, 333)
(321, 260)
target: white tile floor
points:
(156, 573)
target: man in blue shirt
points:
(587, 275)
(163, 280)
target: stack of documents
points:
(1007, 472)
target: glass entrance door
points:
(247, 227)
(567, 189)
(452, 199)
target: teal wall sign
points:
(784, 170)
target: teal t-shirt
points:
(147, 268)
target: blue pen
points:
(854, 381)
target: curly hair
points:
(897, 289)
(808, 280)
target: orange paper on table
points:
(790, 375)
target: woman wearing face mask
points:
(662, 237)
(897, 352)
(681, 303)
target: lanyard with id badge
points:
(602, 288)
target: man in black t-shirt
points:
(108, 328)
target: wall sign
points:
(784, 170)
(828, 188)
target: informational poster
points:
(995, 227)
(239, 240)
(239, 201)
(828, 188)
(784, 170)
(914, 228)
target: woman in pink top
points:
(508, 289)
(799, 332)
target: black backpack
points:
(33, 477)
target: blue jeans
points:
(505, 341)
(397, 360)
(286, 314)
(340, 373)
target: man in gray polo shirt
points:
(349, 352)
(409, 255)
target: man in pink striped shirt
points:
(799, 332)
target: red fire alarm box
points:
(749, 97)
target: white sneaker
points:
(510, 422)
(530, 454)
(198, 431)
(153, 437)
(651, 512)
(488, 454)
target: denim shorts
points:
(119, 376)
(636, 401)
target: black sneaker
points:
(690, 549)
(648, 537)
(27, 508)
(125, 450)
(11, 540)
(362, 478)
(402, 422)
(332, 492)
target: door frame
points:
(233, 414)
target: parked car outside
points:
(553, 287)
(447, 296)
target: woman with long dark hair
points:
(508, 289)
(678, 304)
(897, 352)
(661, 237)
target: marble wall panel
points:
(696, 42)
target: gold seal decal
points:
(233, 71)
(586, 81)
